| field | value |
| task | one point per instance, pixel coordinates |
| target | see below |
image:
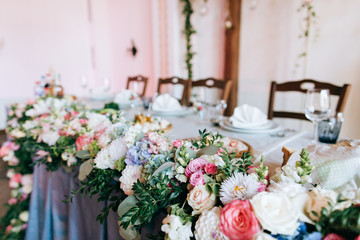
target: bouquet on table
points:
(210, 193)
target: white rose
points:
(319, 198)
(262, 236)
(275, 212)
(24, 216)
(291, 189)
(200, 199)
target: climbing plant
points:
(188, 31)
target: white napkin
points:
(125, 97)
(247, 116)
(166, 102)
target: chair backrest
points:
(300, 86)
(177, 81)
(138, 79)
(224, 85)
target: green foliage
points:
(342, 222)
(151, 200)
(188, 31)
(112, 105)
(101, 183)
(13, 212)
(207, 139)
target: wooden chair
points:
(138, 79)
(224, 85)
(299, 86)
(177, 81)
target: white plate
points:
(271, 128)
(178, 113)
(265, 125)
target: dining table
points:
(51, 218)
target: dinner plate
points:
(265, 125)
(178, 113)
(273, 126)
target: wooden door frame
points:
(232, 53)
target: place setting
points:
(166, 105)
(248, 119)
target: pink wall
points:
(37, 34)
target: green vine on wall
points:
(188, 30)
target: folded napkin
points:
(125, 97)
(246, 116)
(166, 102)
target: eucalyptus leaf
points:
(127, 204)
(85, 169)
(209, 150)
(83, 154)
(67, 168)
(163, 167)
(216, 189)
(208, 188)
(208, 179)
(129, 233)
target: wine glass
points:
(317, 107)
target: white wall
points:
(270, 45)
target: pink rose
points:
(197, 178)
(24, 226)
(333, 236)
(83, 142)
(357, 238)
(238, 221)
(261, 187)
(12, 201)
(83, 121)
(220, 151)
(195, 165)
(6, 147)
(8, 229)
(99, 133)
(30, 101)
(15, 180)
(177, 143)
(210, 168)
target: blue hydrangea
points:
(138, 154)
(300, 234)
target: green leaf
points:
(209, 150)
(216, 189)
(83, 154)
(85, 169)
(208, 188)
(127, 204)
(163, 167)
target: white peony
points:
(50, 137)
(30, 124)
(175, 230)
(275, 212)
(208, 225)
(129, 176)
(107, 157)
(238, 186)
(200, 199)
(96, 121)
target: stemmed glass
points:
(317, 107)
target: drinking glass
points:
(317, 107)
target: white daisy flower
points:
(238, 186)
